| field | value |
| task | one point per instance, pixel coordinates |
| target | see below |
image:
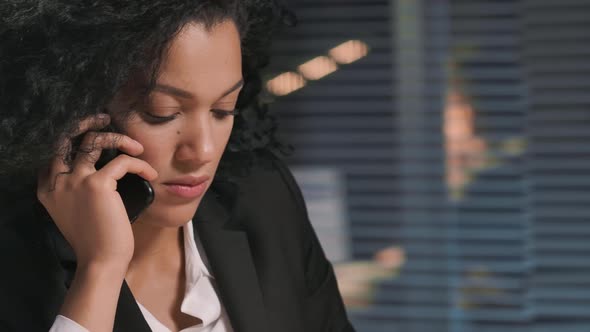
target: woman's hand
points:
(87, 209)
(84, 203)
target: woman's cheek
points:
(155, 141)
(154, 147)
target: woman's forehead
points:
(200, 63)
(203, 61)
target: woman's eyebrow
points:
(236, 86)
(178, 92)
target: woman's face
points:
(195, 97)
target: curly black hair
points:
(63, 60)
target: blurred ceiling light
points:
(285, 83)
(349, 51)
(318, 67)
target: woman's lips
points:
(187, 191)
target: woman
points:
(225, 246)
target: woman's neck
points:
(156, 273)
(157, 248)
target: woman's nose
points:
(196, 143)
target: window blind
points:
(557, 49)
(462, 137)
(346, 120)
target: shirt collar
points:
(200, 298)
(195, 258)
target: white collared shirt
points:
(200, 296)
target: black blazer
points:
(270, 269)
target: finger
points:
(124, 164)
(64, 145)
(93, 122)
(93, 144)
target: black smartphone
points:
(137, 193)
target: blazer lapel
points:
(128, 316)
(231, 262)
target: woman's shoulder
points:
(271, 180)
(274, 213)
(267, 200)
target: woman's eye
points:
(156, 119)
(222, 114)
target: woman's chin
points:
(174, 216)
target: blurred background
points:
(443, 149)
